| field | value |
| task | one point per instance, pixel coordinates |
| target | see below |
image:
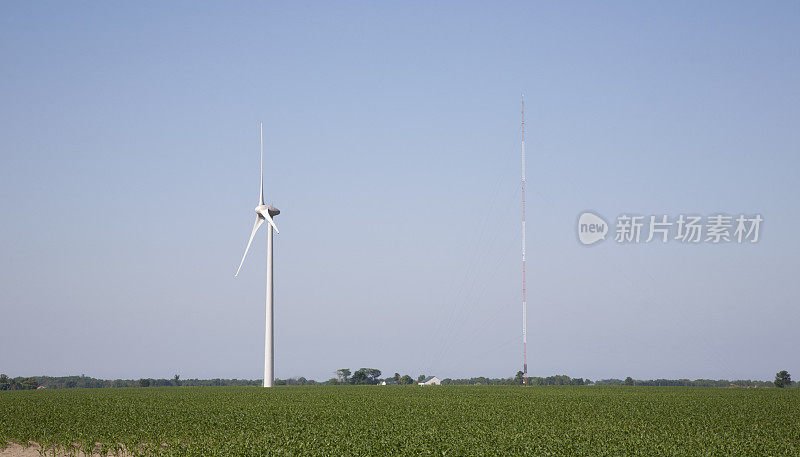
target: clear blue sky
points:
(129, 145)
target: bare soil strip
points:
(17, 450)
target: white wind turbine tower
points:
(265, 212)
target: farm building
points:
(431, 381)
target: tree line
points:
(83, 381)
(18, 383)
(683, 382)
(367, 376)
(372, 376)
(517, 380)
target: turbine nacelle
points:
(267, 210)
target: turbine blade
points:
(272, 223)
(261, 185)
(259, 221)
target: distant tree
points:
(5, 382)
(359, 377)
(373, 374)
(177, 379)
(628, 381)
(406, 380)
(29, 384)
(144, 382)
(365, 376)
(397, 378)
(783, 379)
(343, 374)
(421, 378)
(519, 378)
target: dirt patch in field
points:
(16, 450)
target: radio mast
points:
(524, 291)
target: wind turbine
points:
(265, 212)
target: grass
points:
(373, 420)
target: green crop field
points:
(376, 420)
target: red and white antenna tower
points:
(524, 292)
